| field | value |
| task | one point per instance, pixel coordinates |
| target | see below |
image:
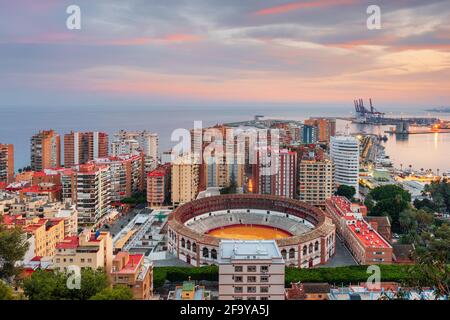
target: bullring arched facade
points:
(312, 248)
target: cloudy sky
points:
(218, 52)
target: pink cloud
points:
(301, 5)
(73, 38)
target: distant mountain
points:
(443, 110)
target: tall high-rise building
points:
(316, 179)
(185, 179)
(126, 142)
(276, 173)
(344, 152)
(6, 163)
(81, 147)
(45, 150)
(218, 173)
(127, 174)
(326, 128)
(134, 142)
(309, 134)
(93, 193)
(158, 186)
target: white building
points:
(250, 270)
(128, 141)
(344, 151)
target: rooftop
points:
(363, 231)
(249, 250)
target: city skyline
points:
(211, 53)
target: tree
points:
(116, 293)
(92, 282)
(425, 204)
(45, 285)
(388, 200)
(346, 191)
(13, 246)
(6, 292)
(440, 194)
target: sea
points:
(18, 124)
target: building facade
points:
(344, 152)
(185, 180)
(81, 147)
(134, 272)
(326, 128)
(364, 242)
(6, 163)
(316, 180)
(45, 150)
(92, 193)
(89, 250)
(158, 186)
(251, 270)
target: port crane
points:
(364, 115)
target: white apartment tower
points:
(250, 270)
(344, 152)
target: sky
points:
(224, 52)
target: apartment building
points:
(344, 152)
(362, 239)
(45, 150)
(44, 233)
(326, 128)
(134, 142)
(315, 179)
(276, 173)
(158, 186)
(65, 211)
(6, 163)
(127, 174)
(93, 193)
(81, 147)
(250, 270)
(309, 134)
(89, 250)
(133, 271)
(185, 180)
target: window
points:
(316, 246)
(264, 278)
(251, 289)
(264, 289)
(214, 254)
(251, 279)
(292, 254)
(251, 269)
(310, 248)
(238, 279)
(238, 290)
(183, 243)
(305, 250)
(251, 298)
(238, 269)
(283, 253)
(264, 268)
(205, 252)
(264, 298)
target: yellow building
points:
(90, 250)
(47, 233)
(315, 181)
(185, 180)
